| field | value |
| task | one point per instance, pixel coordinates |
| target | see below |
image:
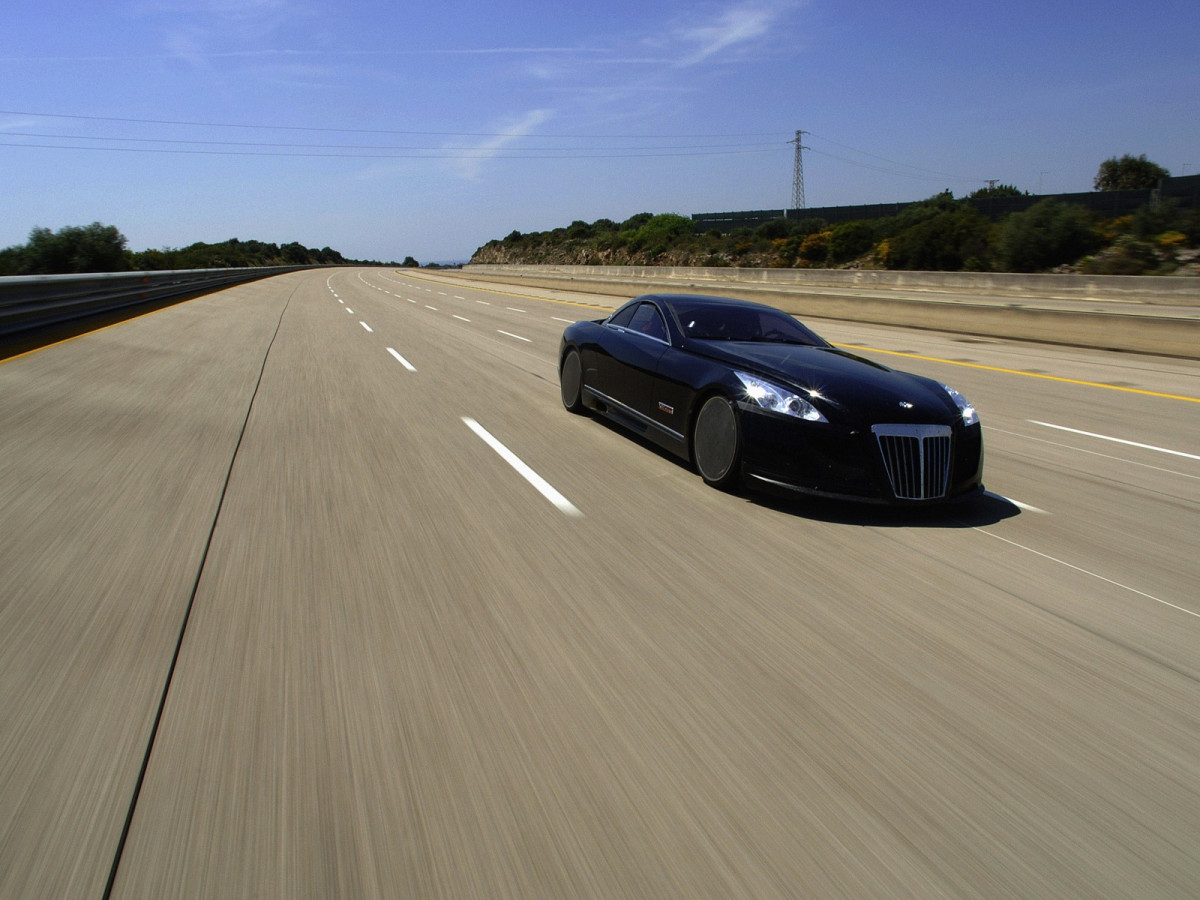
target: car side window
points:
(622, 316)
(647, 320)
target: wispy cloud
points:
(506, 135)
(192, 28)
(732, 27)
(234, 10)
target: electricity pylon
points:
(798, 174)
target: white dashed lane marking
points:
(544, 487)
(400, 359)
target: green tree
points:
(997, 190)
(11, 259)
(409, 263)
(1128, 173)
(1047, 234)
(579, 229)
(294, 254)
(850, 240)
(659, 232)
(948, 241)
(774, 229)
(74, 249)
(914, 214)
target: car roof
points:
(704, 300)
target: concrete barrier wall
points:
(817, 294)
(1080, 287)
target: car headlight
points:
(778, 399)
(969, 415)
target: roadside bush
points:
(914, 215)
(1159, 218)
(1048, 234)
(1128, 256)
(850, 240)
(945, 242)
(814, 249)
(659, 233)
(774, 230)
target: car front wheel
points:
(717, 443)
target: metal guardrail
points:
(31, 302)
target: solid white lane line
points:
(517, 336)
(462, 318)
(365, 325)
(1123, 460)
(544, 488)
(1105, 437)
(1086, 572)
(400, 359)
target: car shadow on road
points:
(972, 512)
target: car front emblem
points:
(904, 404)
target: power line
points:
(566, 154)
(277, 145)
(133, 121)
(892, 162)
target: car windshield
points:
(712, 322)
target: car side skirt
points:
(635, 421)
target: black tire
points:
(717, 443)
(570, 382)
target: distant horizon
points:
(466, 260)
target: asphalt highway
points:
(311, 588)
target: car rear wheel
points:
(570, 382)
(717, 443)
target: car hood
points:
(849, 383)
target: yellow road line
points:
(81, 334)
(951, 362)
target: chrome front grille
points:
(917, 459)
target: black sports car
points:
(744, 391)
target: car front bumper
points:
(825, 459)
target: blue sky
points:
(385, 130)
